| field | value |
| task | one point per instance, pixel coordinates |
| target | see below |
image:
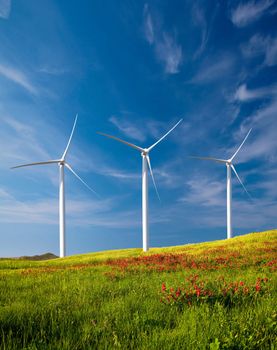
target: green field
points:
(217, 295)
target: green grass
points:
(112, 299)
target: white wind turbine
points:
(230, 167)
(61, 163)
(145, 164)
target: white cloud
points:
(271, 53)
(243, 94)
(199, 19)
(128, 128)
(261, 46)
(42, 211)
(45, 211)
(166, 48)
(79, 212)
(245, 215)
(51, 70)
(5, 8)
(26, 144)
(264, 115)
(169, 53)
(205, 191)
(203, 23)
(142, 129)
(167, 176)
(249, 12)
(262, 143)
(4, 194)
(118, 174)
(268, 185)
(148, 25)
(212, 71)
(18, 77)
(256, 46)
(208, 197)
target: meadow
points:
(216, 295)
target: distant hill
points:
(45, 256)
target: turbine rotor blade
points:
(240, 145)
(211, 158)
(37, 163)
(79, 178)
(151, 172)
(149, 149)
(70, 137)
(122, 141)
(234, 170)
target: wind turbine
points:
(61, 163)
(145, 165)
(230, 167)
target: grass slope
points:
(216, 295)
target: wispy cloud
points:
(26, 144)
(148, 25)
(199, 20)
(169, 52)
(259, 45)
(51, 70)
(45, 211)
(246, 13)
(79, 212)
(5, 8)
(118, 174)
(204, 191)
(142, 129)
(4, 194)
(168, 175)
(208, 195)
(242, 211)
(166, 48)
(18, 77)
(13, 210)
(128, 128)
(164, 173)
(256, 46)
(271, 53)
(243, 94)
(204, 23)
(212, 71)
(262, 143)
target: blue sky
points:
(132, 69)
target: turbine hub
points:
(145, 152)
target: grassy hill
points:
(216, 295)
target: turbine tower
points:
(145, 165)
(61, 163)
(230, 167)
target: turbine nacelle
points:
(145, 152)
